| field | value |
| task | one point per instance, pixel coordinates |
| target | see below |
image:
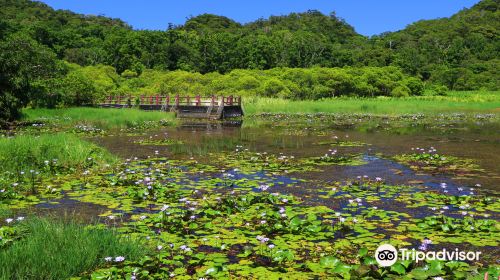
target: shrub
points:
(401, 91)
(415, 85)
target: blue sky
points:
(369, 17)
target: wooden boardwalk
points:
(214, 107)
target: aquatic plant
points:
(431, 161)
(72, 249)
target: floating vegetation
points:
(430, 161)
(340, 143)
(263, 205)
(158, 142)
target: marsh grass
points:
(102, 118)
(29, 152)
(58, 249)
(480, 102)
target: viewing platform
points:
(214, 107)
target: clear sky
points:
(369, 17)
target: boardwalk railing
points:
(171, 101)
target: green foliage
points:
(78, 90)
(289, 83)
(400, 91)
(460, 52)
(23, 62)
(101, 119)
(61, 249)
(37, 153)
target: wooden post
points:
(188, 100)
(213, 101)
(198, 100)
(168, 100)
(119, 100)
(177, 100)
(142, 100)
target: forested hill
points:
(460, 52)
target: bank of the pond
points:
(59, 249)
(107, 119)
(98, 118)
(454, 102)
(50, 152)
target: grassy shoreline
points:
(73, 249)
(453, 102)
(48, 151)
(97, 117)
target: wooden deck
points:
(214, 107)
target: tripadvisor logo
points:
(387, 255)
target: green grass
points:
(26, 152)
(98, 117)
(481, 102)
(61, 249)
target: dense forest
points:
(58, 58)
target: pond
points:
(345, 184)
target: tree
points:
(23, 64)
(78, 90)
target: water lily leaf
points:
(398, 268)
(329, 262)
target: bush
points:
(401, 91)
(77, 89)
(275, 87)
(436, 90)
(127, 74)
(415, 85)
(91, 84)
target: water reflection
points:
(477, 140)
